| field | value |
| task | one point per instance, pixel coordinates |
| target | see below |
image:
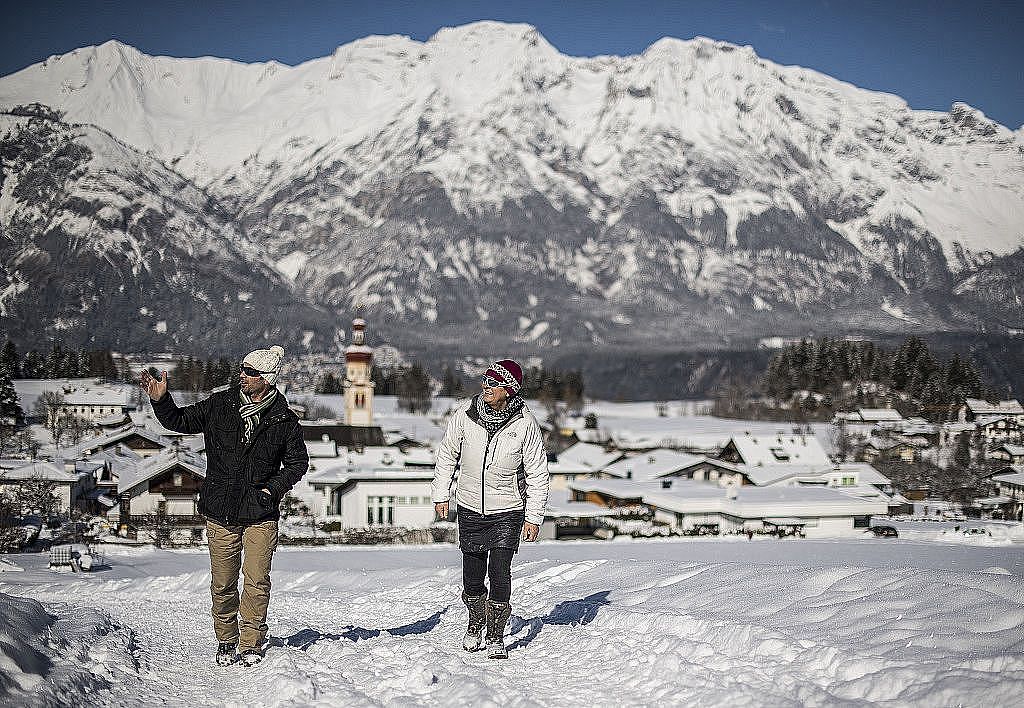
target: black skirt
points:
(478, 533)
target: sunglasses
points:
(491, 382)
(249, 371)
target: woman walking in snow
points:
(502, 491)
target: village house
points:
(1000, 428)
(651, 464)
(880, 450)
(71, 485)
(566, 518)
(975, 409)
(685, 505)
(581, 461)
(99, 405)
(140, 440)
(393, 484)
(162, 485)
(808, 511)
(1010, 454)
(863, 422)
(1009, 486)
(756, 450)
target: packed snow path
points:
(761, 623)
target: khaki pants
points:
(249, 549)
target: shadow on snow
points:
(564, 613)
(305, 638)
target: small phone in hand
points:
(154, 373)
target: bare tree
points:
(49, 405)
(36, 495)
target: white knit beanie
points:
(267, 361)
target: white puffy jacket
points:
(505, 473)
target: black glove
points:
(265, 498)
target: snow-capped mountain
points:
(481, 184)
(104, 245)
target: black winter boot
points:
(497, 617)
(477, 606)
(226, 654)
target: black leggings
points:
(498, 569)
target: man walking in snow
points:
(497, 445)
(255, 454)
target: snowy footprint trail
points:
(585, 631)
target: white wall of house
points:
(147, 503)
(315, 499)
(815, 526)
(410, 503)
(93, 413)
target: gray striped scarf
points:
(492, 419)
(250, 411)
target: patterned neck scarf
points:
(250, 411)
(492, 419)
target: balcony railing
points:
(166, 520)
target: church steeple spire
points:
(358, 382)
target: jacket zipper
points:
(483, 468)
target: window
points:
(780, 454)
(380, 511)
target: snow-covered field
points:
(722, 622)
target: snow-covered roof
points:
(780, 449)
(144, 418)
(617, 488)
(983, 420)
(149, 467)
(1013, 450)
(873, 415)
(1016, 478)
(770, 475)
(115, 436)
(97, 396)
(29, 390)
(584, 457)
(343, 473)
(979, 406)
(373, 457)
(761, 502)
(651, 464)
(47, 471)
(560, 504)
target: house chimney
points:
(666, 484)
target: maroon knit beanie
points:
(510, 373)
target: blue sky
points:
(931, 53)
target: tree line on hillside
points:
(851, 374)
(60, 363)
(413, 386)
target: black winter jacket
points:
(274, 459)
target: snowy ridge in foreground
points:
(383, 627)
(50, 655)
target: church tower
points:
(358, 384)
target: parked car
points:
(884, 532)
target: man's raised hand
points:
(156, 388)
